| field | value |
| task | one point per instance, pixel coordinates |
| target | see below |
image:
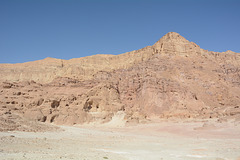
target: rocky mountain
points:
(174, 78)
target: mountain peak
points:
(173, 37)
(173, 43)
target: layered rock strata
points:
(174, 78)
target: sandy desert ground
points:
(202, 139)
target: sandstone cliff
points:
(174, 78)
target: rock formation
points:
(174, 78)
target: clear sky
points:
(36, 29)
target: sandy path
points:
(163, 140)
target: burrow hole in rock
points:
(53, 118)
(55, 104)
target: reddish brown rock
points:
(174, 78)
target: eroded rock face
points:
(174, 78)
(174, 44)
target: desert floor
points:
(202, 139)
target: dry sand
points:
(163, 140)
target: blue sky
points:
(35, 29)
